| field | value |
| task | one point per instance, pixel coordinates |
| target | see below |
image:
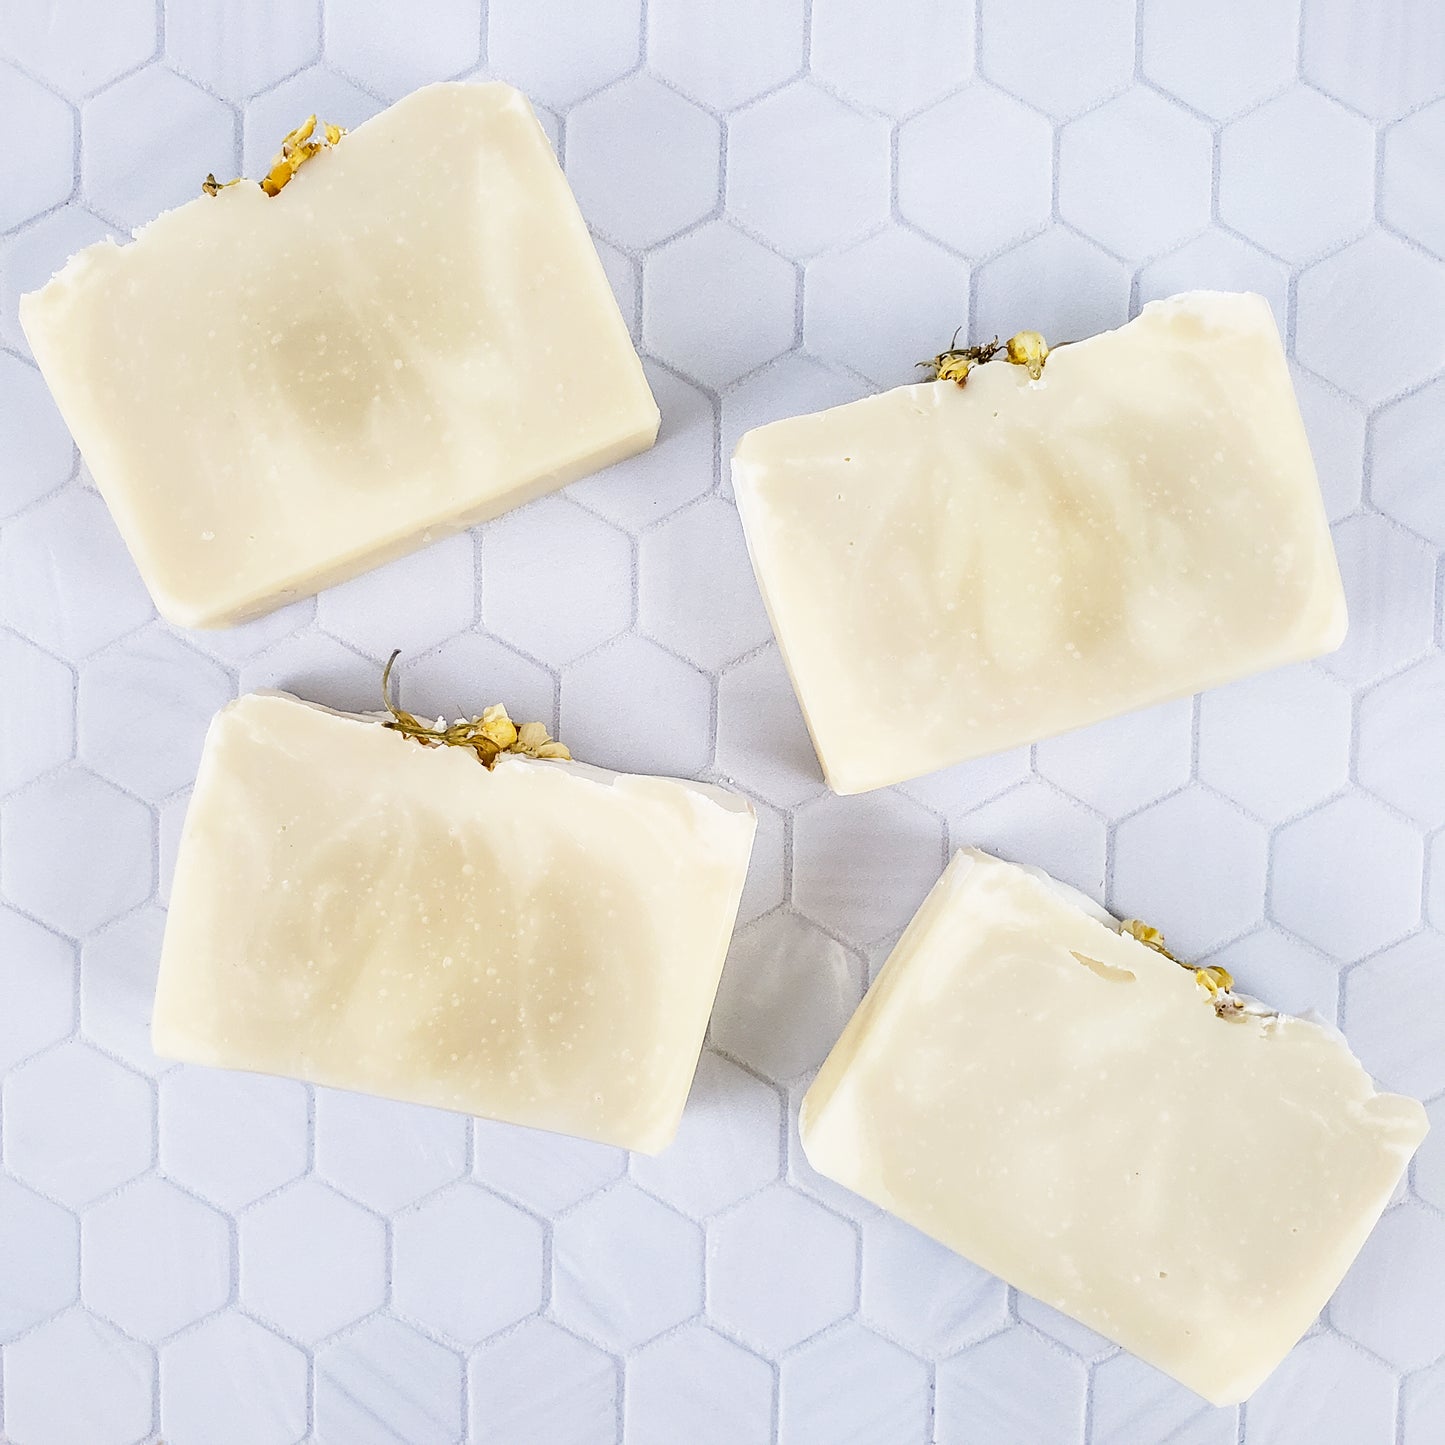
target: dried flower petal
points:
(296, 149)
(489, 735)
(495, 724)
(1026, 348)
(1217, 982)
(956, 363)
(531, 736)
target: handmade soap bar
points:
(275, 392)
(1128, 1141)
(973, 567)
(539, 943)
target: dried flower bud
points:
(489, 735)
(1217, 982)
(496, 725)
(1027, 349)
(1030, 350)
(1148, 935)
(296, 149)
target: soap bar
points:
(1132, 1143)
(539, 943)
(974, 567)
(276, 392)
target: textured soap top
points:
(539, 942)
(1123, 1137)
(990, 564)
(274, 392)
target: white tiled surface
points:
(795, 201)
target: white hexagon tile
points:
(795, 199)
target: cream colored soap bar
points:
(991, 564)
(274, 393)
(540, 943)
(1070, 1109)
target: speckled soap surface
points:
(794, 203)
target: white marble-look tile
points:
(851, 1385)
(976, 170)
(1013, 1389)
(75, 851)
(39, 1254)
(1195, 861)
(894, 58)
(805, 171)
(232, 1382)
(149, 141)
(697, 1386)
(76, 1124)
(559, 52)
(1058, 56)
(77, 1378)
(879, 307)
(1220, 58)
(780, 1268)
(466, 1264)
(723, 53)
(643, 161)
(924, 1296)
(1135, 174)
(1346, 877)
(1378, 286)
(236, 48)
(384, 1382)
(600, 1248)
(153, 1260)
(539, 1385)
(386, 1154)
(1297, 175)
(386, 50)
(689, 292)
(39, 123)
(729, 1144)
(311, 1261)
(696, 592)
(787, 990)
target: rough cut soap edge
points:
(751, 505)
(167, 1040)
(60, 291)
(875, 1003)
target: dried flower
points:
(489, 735)
(1027, 349)
(1217, 982)
(296, 149)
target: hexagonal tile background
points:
(795, 200)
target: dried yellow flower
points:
(1217, 982)
(495, 724)
(1148, 935)
(1030, 350)
(956, 363)
(1027, 349)
(296, 149)
(489, 735)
